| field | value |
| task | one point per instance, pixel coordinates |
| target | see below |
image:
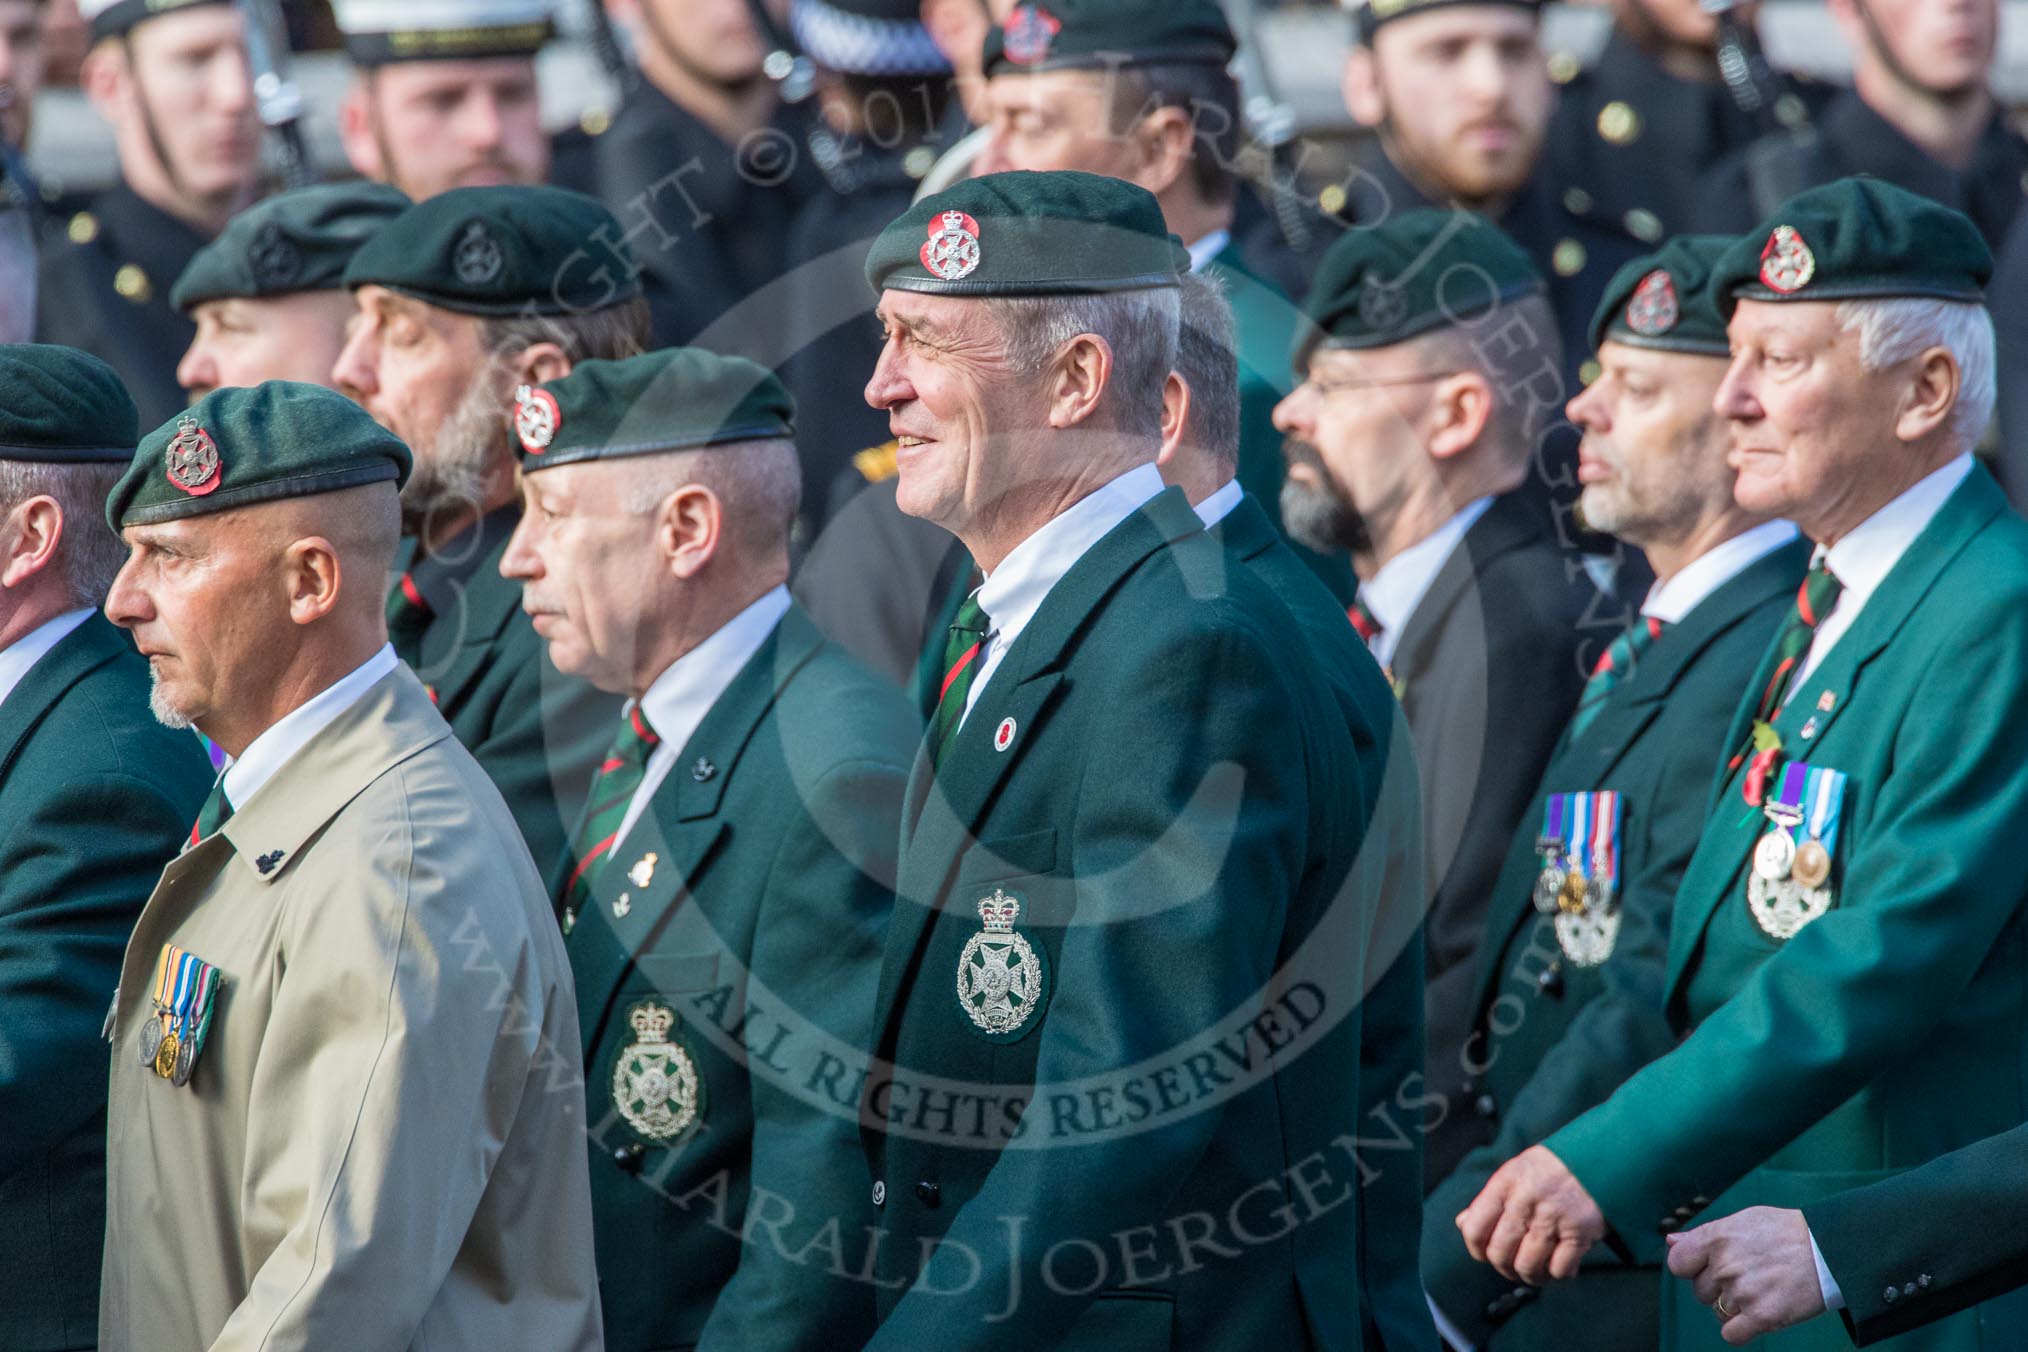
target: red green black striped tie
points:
(1814, 600)
(408, 618)
(1615, 664)
(216, 811)
(964, 650)
(1364, 621)
(613, 788)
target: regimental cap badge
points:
(274, 258)
(656, 1088)
(191, 458)
(1786, 264)
(1382, 306)
(952, 249)
(999, 911)
(536, 418)
(1030, 32)
(1652, 309)
(652, 1023)
(477, 258)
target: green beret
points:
(676, 399)
(1098, 34)
(239, 446)
(114, 18)
(1029, 234)
(62, 406)
(294, 241)
(1371, 14)
(506, 250)
(1856, 239)
(1665, 300)
(1416, 272)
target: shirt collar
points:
(1863, 559)
(1013, 592)
(1219, 505)
(1208, 248)
(269, 752)
(677, 700)
(1670, 601)
(1393, 593)
(24, 652)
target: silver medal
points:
(1782, 908)
(1548, 886)
(1587, 937)
(151, 1039)
(1775, 855)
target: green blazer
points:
(1908, 1250)
(1264, 326)
(751, 903)
(1390, 1015)
(1158, 780)
(1555, 1039)
(95, 796)
(1889, 1031)
(537, 733)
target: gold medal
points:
(1571, 900)
(165, 1056)
(1812, 867)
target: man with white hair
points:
(1845, 958)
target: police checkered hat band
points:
(859, 44)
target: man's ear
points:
(539, 362)
(1460, 410)
(1360, 85)
(356, 132)
(104, 77)
(29, 538)
(1175, 416)
(1083, 370)
(1165, 140)
(1931, 396)
(312, 577)
(689, 529)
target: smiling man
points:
(1843, 965)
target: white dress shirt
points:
(680, 697)
(1013, 592)
(1670, 601)
(1864, 558)
(1208, 248)
(24, 652)
(1219, 505)
(273, 749)
(1393, 593)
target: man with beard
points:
(1567, 1002)
(1919, 115)
(1460, 95)
(706, 165)
(269, 293)
(443, 92)
(173, 81)
(461, 300)
(95, 796)
(344, 1110)
(1633, 133)
(1408, 441)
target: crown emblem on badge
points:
(1786, 264)
(191, 459)
(999, 911)
(652, 1023)
(477, 258)
(1381, 305)
(1653, 309)
(536, 418)
(952, 249)
(1030, 32)
(1000, 979)
(656, 1088)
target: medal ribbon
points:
(1790, 794)
(1552, 817)
(190, 991)
(1581, 818)
(1605, 837)
(1824, 793)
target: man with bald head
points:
(344, 1107)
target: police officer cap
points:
(1370, 15)
(1857, 239)
(1096, 34)
(294, 241)
(675, 399)
(867, 37)
(62, 406)
(239, 446)
(1665, 300)
(378, 32)
(112, 18)
(1029, 234)
(502, 250)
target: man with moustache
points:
(344, 1108)
(1844, 959)
(730, 880)
(95, 796)
(443, 93)
(1459, 94)
(269, 293)
(462, 299)
(1409, 444)
(1567, 1000)
(172, 80)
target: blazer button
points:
(928, 1193)
(1700, 1202)
(1909, 1290)
(1890, 1295)
(628, 1157)
(879, 1193)
(1923, 1281)
(1550, 981)
(1668, 1225)
(1468, 1086)
(1486, 1107)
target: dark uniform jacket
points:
(537, 733)
(95, 797)
(104, 287)
(749, 905)
(1149, 794)
(1564, 1036)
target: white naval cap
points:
(110, 18)
(381, 31)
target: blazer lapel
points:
(1511, 522)
(76, 655)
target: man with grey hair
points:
(461, 299)
(740, 833)
(1126, 837)
(94, 797)
(1844, 963)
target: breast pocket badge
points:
(656, 1088)
(1000, 974)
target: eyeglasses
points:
(1326, 388)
